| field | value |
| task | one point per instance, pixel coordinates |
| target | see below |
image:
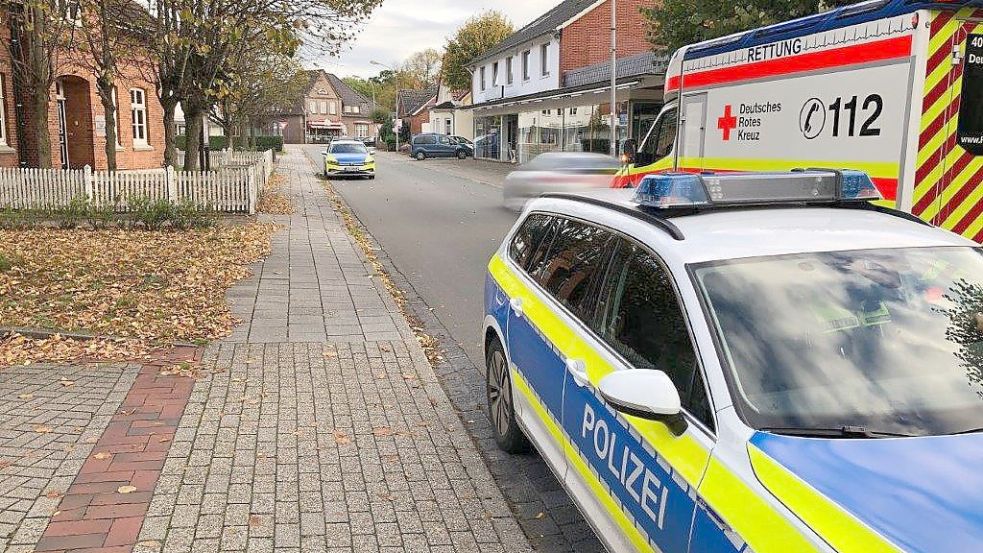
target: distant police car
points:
(766, 362)
(348, 158)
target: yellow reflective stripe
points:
(761, 526)
(687, 455)
(841, 529)
(577, 463)
(874, 169)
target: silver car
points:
(557, 172)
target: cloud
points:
(401, 27)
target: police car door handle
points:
(578, 369)
(516, 304)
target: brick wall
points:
(417, 121)
(8, 148)
(83, 108)
(588, 40)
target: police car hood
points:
(921, 494)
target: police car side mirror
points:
(629, 150)
(647, 394)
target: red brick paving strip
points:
(93, 516)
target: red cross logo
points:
(727, 123)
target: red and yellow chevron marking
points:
(948, 179)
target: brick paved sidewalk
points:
(324, 427)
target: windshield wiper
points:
(969, 431)
(838, 432)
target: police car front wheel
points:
(498, 387)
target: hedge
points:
(221, 142)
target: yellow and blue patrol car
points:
(744, 362)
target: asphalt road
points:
(439, 228)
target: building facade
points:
(328, 109)
(547, 86)
(77, 120)
(413, 108)
(450, 114)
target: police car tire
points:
(508, 434)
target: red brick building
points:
(585, 42)
(413, 108)
(77, 120)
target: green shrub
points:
(264, 143)
(72, 215)
(5, 264)
(152, 213)
(101, 217)
(189, 215)
(214, 142)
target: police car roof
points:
(759, 231)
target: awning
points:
(330, 125)
(569, 97)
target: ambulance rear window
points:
(969, 130)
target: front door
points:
(62, 124)
(642, 476)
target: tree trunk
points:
(105, 88)
(37, 125)
(170, 133)
(192, 135)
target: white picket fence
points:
(234, 188)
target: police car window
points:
(540, 256)
(888, 340)
(529, 235)
(577, 256)
(639, 316)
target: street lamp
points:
(396, 107)
(614, 77)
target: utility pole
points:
(614, 78)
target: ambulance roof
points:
(832, 19)
(749, 232)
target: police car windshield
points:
(348, 149)
(886, 339)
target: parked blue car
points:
(430, 144)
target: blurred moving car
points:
(348, 158)
(464, 142)
(430, 144)
(558, 172)
(370, 143)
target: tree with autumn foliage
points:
(197, 42)
(478, 34)
(40, 32)
(676, 23)
(108, 40)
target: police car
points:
(766, 362)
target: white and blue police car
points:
(745, 362)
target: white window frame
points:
(138, 116)
(544, 60)
(525, 64)
(324, 106)
(312, 106)
(508, 70)
(3, 110)
(495, 74)
(332, 108)
(119, 143)
(481, 76)
(356, 109)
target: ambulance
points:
(893, 88)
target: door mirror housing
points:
(629, 151)
(647, 394)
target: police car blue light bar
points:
(813, 186)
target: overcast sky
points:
(400, 27)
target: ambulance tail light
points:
(812, 186)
